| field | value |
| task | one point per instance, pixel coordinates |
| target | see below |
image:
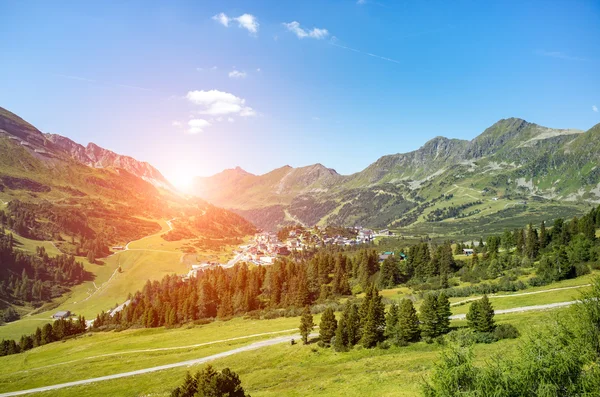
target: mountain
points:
(86, 198)
(511, 168)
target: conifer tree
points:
(391, 323)
(340, 343)
(373, 330)
(429, 317)
(481, 315)
(327, 326)
(486, 315)
(543, 235)
(444, 313)
(408, 321)
(306, 324)
(473, 315)
(352, 324)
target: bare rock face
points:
(95, 156)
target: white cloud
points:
(176, 124)
(258, 70)
(197, 125)
(247, 112)
(222, 19)
(219, 103)
(230, 119)
(235, 74)
(246, 21)
(595, 108)
(300, 32)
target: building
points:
(468, 251)
(64, 314)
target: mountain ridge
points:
(512, 157)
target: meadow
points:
(301, 370)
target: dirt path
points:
(159, 349)
(520, 294)
(250, 347)
(522, 309)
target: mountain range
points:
(512, 162)
(64, 187)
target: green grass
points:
(103, 353)
(298, 370)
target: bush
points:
(484, 337)
(506, 331)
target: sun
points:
(183, 180)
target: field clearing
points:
(285, 370)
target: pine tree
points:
(532, 243)
(327, 326)
(391, 323)
(429, 317)
(340, 343)
(473, 315)
(352, 324)
(306, 324)
(408, 321)
(543, 235)
(444, 313)
(486, 315)
(481, 315)
(373, 330)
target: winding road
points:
(250, 347)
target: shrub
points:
(506, 331)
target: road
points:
(522, 309)
(520, 294)
(188, 363)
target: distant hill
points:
(514, 163)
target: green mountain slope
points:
(514, 166)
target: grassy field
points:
(285, 370)
(104, 353)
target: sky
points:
(195, 87)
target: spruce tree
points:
(373, 330)
(340, 343)
(429, 317)
(408, 322)
(352, 324)
(444, 313)
(306, 324)
(486, 315)
(473, 315)
(327, 326)
(391, 324)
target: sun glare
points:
(183, 180)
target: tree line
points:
(59, 330)
(368, 324)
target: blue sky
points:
(194, 87)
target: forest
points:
(34, 278)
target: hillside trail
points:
(520, 294)
(250, 347)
